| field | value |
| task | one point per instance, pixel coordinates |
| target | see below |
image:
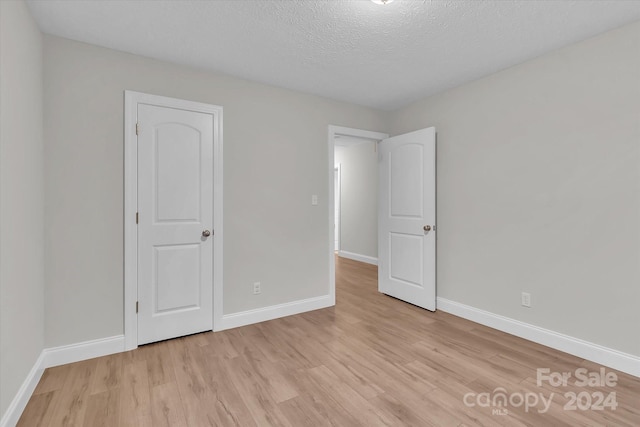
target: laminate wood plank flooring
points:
(371, 360)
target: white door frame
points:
(131, 101)
(337, 171)
(333, 132)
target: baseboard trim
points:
(102, 347)
(249, 317)
(358, 257)
(584, 349)
(82, 351)
(19, 402)
(55, 356)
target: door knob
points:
(206, 233)
(427, 228)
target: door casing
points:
(131, 101)
(336, 200)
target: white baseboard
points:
(584, 349)
(101, 347)
(82, 351)
(358, 257)
(55, 356)
(19, 402)
(275, 311)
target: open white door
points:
(175, 206)
(406, 218)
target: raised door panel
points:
(177, 173)
(406, 181)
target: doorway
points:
(404, 218)
(339, 137)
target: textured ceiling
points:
(351, 50)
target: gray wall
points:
(359, 198)
(275, 151)
(21, 198)
(539, 189)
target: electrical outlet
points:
(256, 288)
(314, 200)
(526, 299)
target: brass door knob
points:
(206, 233)
(427, 228)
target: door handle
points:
(206, 233)
(427, 228)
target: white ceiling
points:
(350, 50)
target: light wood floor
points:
(370, 361)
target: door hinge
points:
(136, 306)
(136, 217)
(137, 128)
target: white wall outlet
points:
(526, 299)
(256, 288)
(314, 200)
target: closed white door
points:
(175, 219)
(406, 218)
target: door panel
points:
(405, 264)
(177, 278)
(406, 178)
(175, 205)
(177, 173)
(406, 251)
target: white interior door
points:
(407, 218)
(175, 206)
